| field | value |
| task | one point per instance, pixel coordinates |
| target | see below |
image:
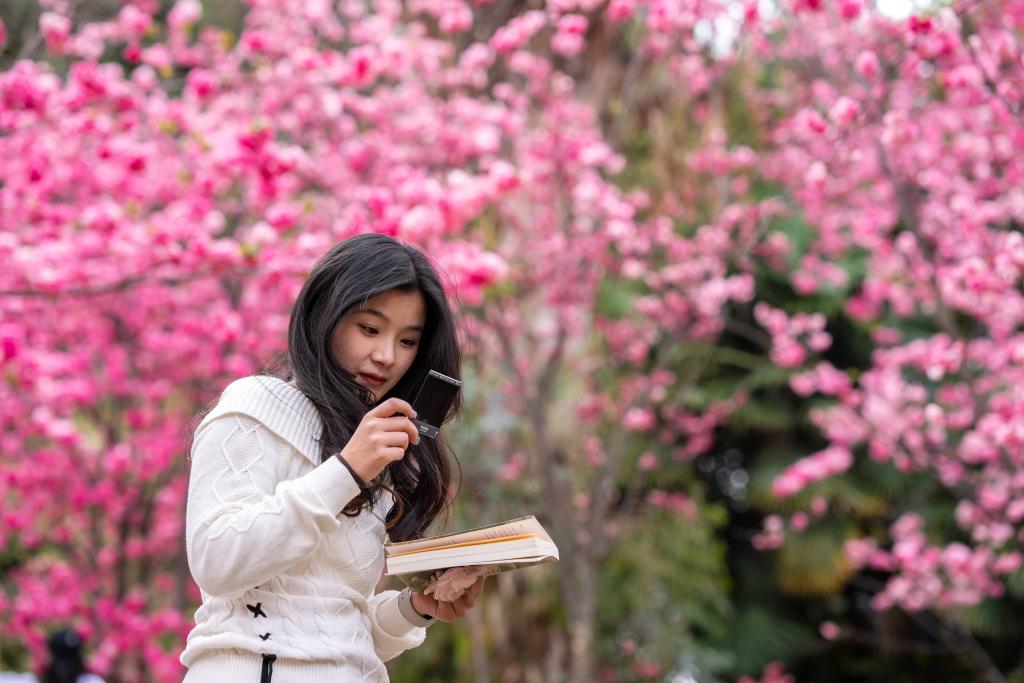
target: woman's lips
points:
(371, 380)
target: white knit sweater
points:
(280, 569)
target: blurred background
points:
(739, 284)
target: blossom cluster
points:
(915, 223)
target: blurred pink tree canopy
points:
(659, 217)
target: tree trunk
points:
(582, 602)
(479, 653)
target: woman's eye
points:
(409, 342)
(369, 330)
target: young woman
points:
(296, 484)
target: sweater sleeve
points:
(242, 526)
(393, 634)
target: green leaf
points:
(1015, 583)
(766, 376)
(990, 619)
(760, 636)
(761, 415)
(813, 562)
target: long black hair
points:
(352, 272)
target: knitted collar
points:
(286, 411)
(281, 407)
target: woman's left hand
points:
(427, 606)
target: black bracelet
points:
(363, 488)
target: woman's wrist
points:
(360, 482)
(419, 608)
(407, 605)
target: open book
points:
(496, 548)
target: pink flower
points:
(802, 384)
(819, 506)
(201, 83)
(799, 521)
(518, 32)
(830, 630)
(456, 18)
(844, 111)
(567, 44)
(56, 29)
(859, 550)
(647, 461)
(646, 669)
(816, 175)
(850, 9)
(638, 419)
(867, 65)
(621, 10)
(256, 41)
(788, 355)
(570, 32)
(786, 485)
(813, 121)
(807, 5)
(184, 14)
(918, 24)
(1007, 563)
(133, 22)
(421, 223)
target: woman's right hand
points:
(381, 438)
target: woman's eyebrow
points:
(378, 314)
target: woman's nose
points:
(383, 355)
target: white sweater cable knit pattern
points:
(280, 569)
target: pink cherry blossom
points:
(56, 28)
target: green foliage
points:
(1015, 584)
(990, 619)
(665, 587)
(812, 562)
(760, 415)
(740, 116)
(759, 636)
(615, 297)
(13, 656)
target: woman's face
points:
(378, 342)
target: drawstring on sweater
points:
(268, 668)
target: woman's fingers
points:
(474, 591)
(465, 603)
(404, 426)
(446, 611)
(393, 454)
(398, 438)
(390, 407)
(395, 439)
(382, 437)
(451, 610)
(394, 416)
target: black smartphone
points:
(432, 401)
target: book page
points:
(516, 527)
(402, 552)
(462, 554)
(420, 580)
